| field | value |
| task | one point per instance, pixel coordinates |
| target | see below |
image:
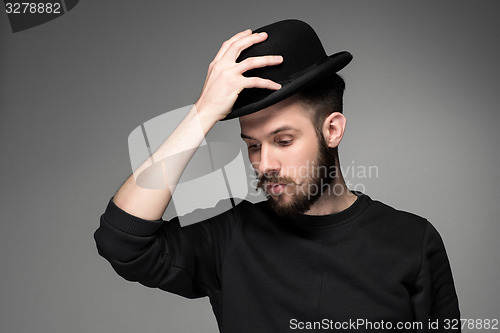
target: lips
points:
(275, 188)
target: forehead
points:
(289, 112)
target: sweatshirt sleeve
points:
(183, 260)
(435, 298)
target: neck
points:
(337, 199)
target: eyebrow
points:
(276, 131)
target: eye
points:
(284, 142)
(254, 146)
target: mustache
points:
(266, 179)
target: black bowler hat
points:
(304, 62)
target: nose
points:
(268, 164)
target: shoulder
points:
(396, 218)
(398, 227)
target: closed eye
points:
(255, 146)
(285, 142)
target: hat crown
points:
(304, 63)
(295, 40)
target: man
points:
(315, 255)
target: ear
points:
(333, 129)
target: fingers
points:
(257, 82)
(234, 50)
(225, 80)
(228, 43)
(257, 62)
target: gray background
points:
(421, 103)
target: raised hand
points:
(225, 78)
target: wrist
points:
(206, 118)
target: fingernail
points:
(262, 34)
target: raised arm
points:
(223, 83)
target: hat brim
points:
(315, 73)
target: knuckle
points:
(251, 61)
(239, 43)
(234, 82)
(254, 81)
(225, 75)
(216, 68)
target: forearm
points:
(162, 170)
(222, 86)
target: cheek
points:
(298, 160)
(254, 159)
(305, 151)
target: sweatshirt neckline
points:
(336, 219)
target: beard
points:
(317, 180)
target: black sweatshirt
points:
(367, 268)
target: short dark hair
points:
(324, 98)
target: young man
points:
(315, 255)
